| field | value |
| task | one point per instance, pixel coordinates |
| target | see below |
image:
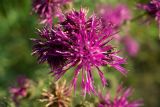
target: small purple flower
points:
(20, 91)
(121, 99)
(81, 43)
(152, 8)
(131, 45)
(47, 9)
(116, 15)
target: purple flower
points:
(20, 91)
(121, 99)
(81, 43)
(47, 9)
(131, 45)
(116, 15)
(152, 8)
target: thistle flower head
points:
(152, 8)
(47, 9)
(81, 43)
(131, 45)
(116, 15)
(21, 90)
(121, 99)
(57, 95)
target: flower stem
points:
(138, 17)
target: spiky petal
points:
(116, 15)
(57, 95)
(152, 8)
(48, 9)
(81, 43)
(121, 99)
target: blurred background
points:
(18, 25)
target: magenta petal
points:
(121, 99)
(81, 43)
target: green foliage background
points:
(18, 25)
